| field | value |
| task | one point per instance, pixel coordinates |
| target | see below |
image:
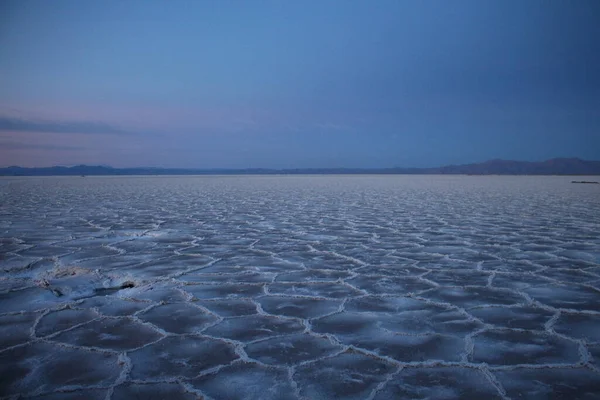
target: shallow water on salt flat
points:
(300, 287)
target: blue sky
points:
(297, 84)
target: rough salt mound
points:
(299, 288)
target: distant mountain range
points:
(555, 166)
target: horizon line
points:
(297, 168)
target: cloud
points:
(84, 127)
(10, 145)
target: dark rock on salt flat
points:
(438, 383)
(179, 356)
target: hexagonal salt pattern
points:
(299, 288)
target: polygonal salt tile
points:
(383, 304)
(313, 275)
(589, 256)
(113, 306)
(518, 281)
(521, 317)
(438, 383)
(226, 291)
(370, 331)
(396, 285)
(57, 321)
(16, 329)
(396, 270)
(229, 307)
(566, 296)
(30, 299)
(424, 319)
(346, 323)
(461, 277)
(84, 394)
(113, 334)
(408, 348)
(473, 296)
(510, 347)
(45, 251)
(16, 263)
(178, 318)
(245, 277)
(579, 326)
(43, 367)
(253, 327)
(324, 289)
(429, 319)
(156, 294)
(7, 284)
(178, 356)
(301, 307)
(568, 275)
(152, 391)
(418, 255)
(87, 253)
(327, 262)
(550, 383)
(594, 350)
(514, 267)
(116, 263)
(245, 381)
(350, 375)
(290, 349)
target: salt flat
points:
(299, 287)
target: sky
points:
(293, 84)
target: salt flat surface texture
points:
(299, 287)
